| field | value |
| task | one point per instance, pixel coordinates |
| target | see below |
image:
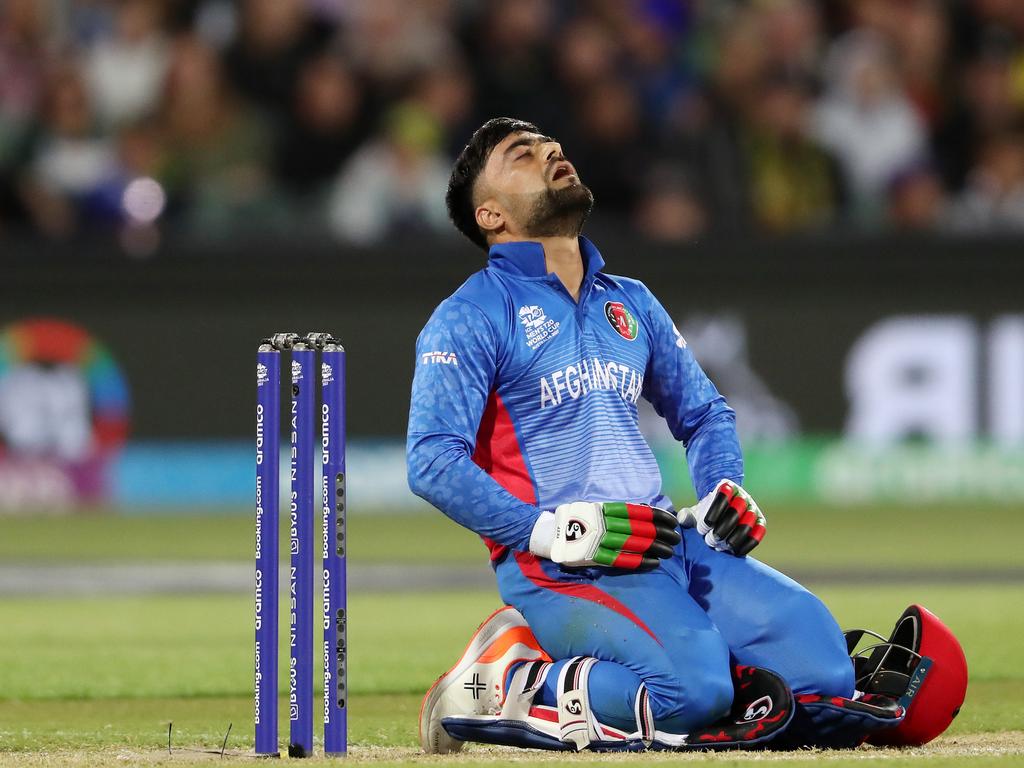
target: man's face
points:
(528, 189)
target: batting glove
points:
(612, 534)
(728, 518)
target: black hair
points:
(467, 169)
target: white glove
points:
(613, 534)
(728, 518)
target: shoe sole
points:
(474, 649)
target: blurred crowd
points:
(685, 117)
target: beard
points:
(559, 212)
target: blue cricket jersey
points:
(524, 399)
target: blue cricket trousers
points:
(677, 629)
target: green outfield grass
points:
(932, 537)
(101, 673)
(95, 680)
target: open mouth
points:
(561, 171)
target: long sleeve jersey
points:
(524, 399)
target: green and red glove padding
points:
(728, 519)
(618, 534)
(612, 534)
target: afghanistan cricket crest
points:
(622, 320)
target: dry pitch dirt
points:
(1000, 749)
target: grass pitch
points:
(879, 539)
(96, 680)
(105, 676)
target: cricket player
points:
(628, 624)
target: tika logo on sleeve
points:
(439, 358)
(622, 320)
(539, 329)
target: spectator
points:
(792, 37)
(72, 162)
(658, 76)
(708, 138)
(792, 182)
(24, 28)
(985, 108)
(882, 18)
(994, 198)
(614, 152)
(445, 91)
(921, 47)
(587, 55)
(391, 41)
(669, 210)
(275, 39)
(324, 127)
(688, 117)
(866, 120)
(125, 72)
(218, 152)
(917, 200)
(513, 62)
(396, 183)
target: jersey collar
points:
(526, 258)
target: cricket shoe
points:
(476, 684)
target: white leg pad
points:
(523, 686)
(576, 722)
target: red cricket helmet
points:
(922, 665)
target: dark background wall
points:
(184, 325)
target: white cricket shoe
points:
(475, 685)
